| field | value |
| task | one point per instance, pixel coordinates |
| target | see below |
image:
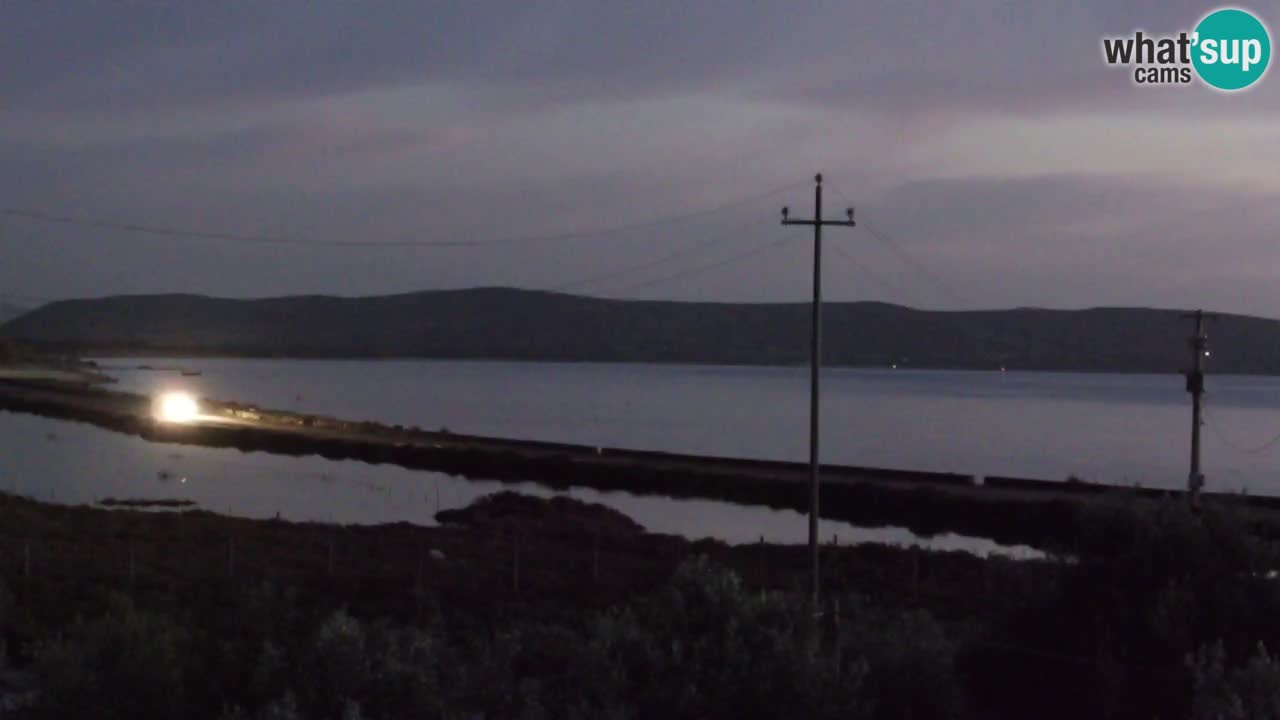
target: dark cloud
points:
(220, 54)
(404, 120)
(918, 53)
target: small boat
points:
(192, 373)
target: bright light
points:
(175, 407)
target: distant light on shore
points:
(176, 407)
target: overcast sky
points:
(986, 140)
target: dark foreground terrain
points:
(527, 608)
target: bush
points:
(705, 646)
(338, 667)
(285, 708)
(910, 662)
(126, 664)
(1146, 588)
(1248, 692)
(405, 671)
(5, 603)
(351, 669)
(702, 646)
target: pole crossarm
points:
(842, 223)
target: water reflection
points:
(1123, 429)
(73, 463)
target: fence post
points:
(417, 580)
(515, 564)
(835, 631)
(915, 572)
(595, 559)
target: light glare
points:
(176, 407)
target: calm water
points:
(75, 463)
(1114, 428)
(1130, 429)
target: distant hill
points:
(9, 311)
(532, 325)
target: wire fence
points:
(76, 547)
(182, 551)
(399, 574)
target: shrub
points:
(1248, 692)
(5, 602)
(705, 646)
(1148, 586)
(285, 708)
(909, 659)
(126, 664)
(701, 646)
(337, 669)
(405, 672)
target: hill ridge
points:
(518, 324)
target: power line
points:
(748, 253)
(875, 277)
(639, 267)
(923, 270)
(1216, 429)
(856, 264)
(904, 256)
(643, 225)
(173, 232)
(916, 264)
(164, 231)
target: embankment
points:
(1008, 510)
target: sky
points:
(993, 159)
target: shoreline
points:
(177, 354)
(1011, 511)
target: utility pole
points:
(1199, 344)
(815, 365)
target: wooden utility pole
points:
(1199, 344)
(815, 365)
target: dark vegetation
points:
(522, 608)
(531, 325)
(12, 353)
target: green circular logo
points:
(1232, 49)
